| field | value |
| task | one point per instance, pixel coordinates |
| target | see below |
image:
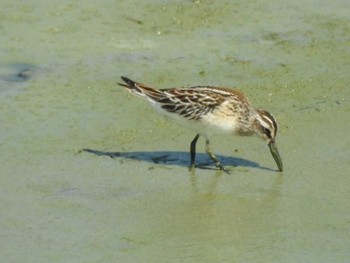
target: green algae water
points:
(129, 197)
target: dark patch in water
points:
(18, 72)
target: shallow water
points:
(129, 196)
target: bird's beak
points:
(276, 155)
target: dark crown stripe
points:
(269, 119)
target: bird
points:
(209, 111)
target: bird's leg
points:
(213, 157)
(193, 151)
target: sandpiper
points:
(208, 111)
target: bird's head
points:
(266, 127)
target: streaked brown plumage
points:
(210, 111)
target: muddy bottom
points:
(90, 173)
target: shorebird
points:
(209, 111)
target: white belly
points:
(210, 124)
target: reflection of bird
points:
(210, 111)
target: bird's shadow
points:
(178, 158)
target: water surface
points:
(131, 198)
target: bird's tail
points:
(141, 90)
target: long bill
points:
(276, 155)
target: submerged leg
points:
(213, 157)
(193, 150)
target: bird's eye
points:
(267, 132)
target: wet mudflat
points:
(129, 196)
